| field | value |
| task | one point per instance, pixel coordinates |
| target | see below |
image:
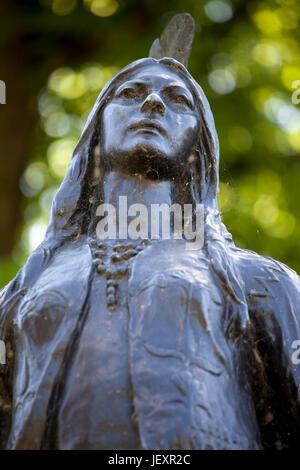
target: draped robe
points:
(157, 371)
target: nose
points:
(153, 104)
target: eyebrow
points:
(179, 88)
(133, 83)
(141, 84)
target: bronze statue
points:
(143, 344)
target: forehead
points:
(158, 75)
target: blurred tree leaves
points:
(245, 56)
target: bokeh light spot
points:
(57, 125)
(222, 81)
(103, 8)
(49, 103)
(284, 225)
(267, 53)
(265, 210)
(218, 11)
(63, 7)
(33, 179)
(34, 234)
(94, 78)
(67, 83)
(294, 140)
(268, 21)
(282, 113)
(289, 73)
(59, 154)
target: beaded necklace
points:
(114, 263)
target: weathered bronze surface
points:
(142, 344)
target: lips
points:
(147, 125)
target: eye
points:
(128, 93)
(182, 100)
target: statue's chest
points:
(151, 295)
(125, 269)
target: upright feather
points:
(176, 40)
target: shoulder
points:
(255, 269)
(45, 270)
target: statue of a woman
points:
(143, 344)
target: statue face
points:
(151, 124)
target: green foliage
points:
(246, 58)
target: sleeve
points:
(5, 372)
(9, 299)
(274, 308)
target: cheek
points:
(184, 127)
(115, 119)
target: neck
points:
(132, 198)
(139, 190)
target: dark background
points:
(56, 55)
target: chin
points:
(146, 160)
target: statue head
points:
(151, 119)
(155, 112)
